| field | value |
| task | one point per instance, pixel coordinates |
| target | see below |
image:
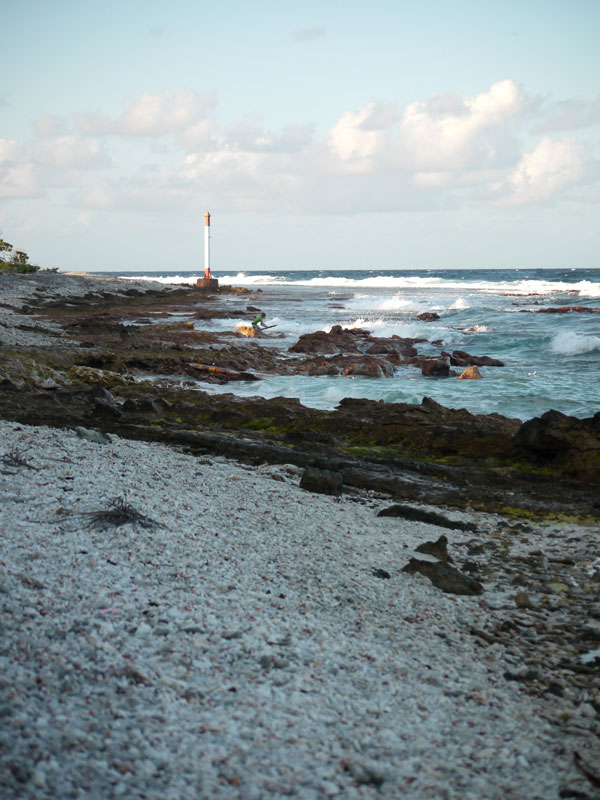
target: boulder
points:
(322, 481)
(572, 443)
(470, 374)
(461, 359)
(435, 367)
(338, 340)
(437, 549)
(428, 316)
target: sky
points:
(388, 134)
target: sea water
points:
(551, 360)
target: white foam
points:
(460, 304)
(570, 343)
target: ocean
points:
(552, 361)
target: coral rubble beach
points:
(180, 624)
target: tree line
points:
(13, 260)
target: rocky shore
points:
(207, 597)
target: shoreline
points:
(241, 638)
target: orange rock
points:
(470, 374)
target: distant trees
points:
(12, 260)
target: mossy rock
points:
(89, 376)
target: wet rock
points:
(322, 481)
(446, 578)
(460, 358)
(470, 374)
(401, 347)
(428, 316)
(367, 366)
(435, 367)
(561, 310)
(338, 339)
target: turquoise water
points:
(552, 361)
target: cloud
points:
(73, 152)
(250, 135)
(448, 132)
(9, 150)
(545, 172)
(443, 151)
(19, 180)
(571, 114)
(153, 114)
(359, 136)
(49, 125)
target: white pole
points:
(207, 245)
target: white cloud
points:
(448, 132)
(545, 172)
(72, 152)
(9, 150)
(49, 125)
(153, 114)
(359, 136)
(250, 135)
(19, 181)
(442, 151)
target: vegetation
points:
(12, 260)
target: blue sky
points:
(319, 134)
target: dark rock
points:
(145, 405)
(367, 366)
(439, 548)
(461, 359)
(346, 340)
(428, 316)
(446, 578)
(562, 310)
(573, 443)
(431, 517)
(438, 367)
(322, 481)
(107, 407)
(381, 573)
(101, 393)
(401, 347)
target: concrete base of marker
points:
(208, 284)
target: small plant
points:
(14, 458)
(119, 512)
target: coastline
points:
(241, 640)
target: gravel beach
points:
(183, 627)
